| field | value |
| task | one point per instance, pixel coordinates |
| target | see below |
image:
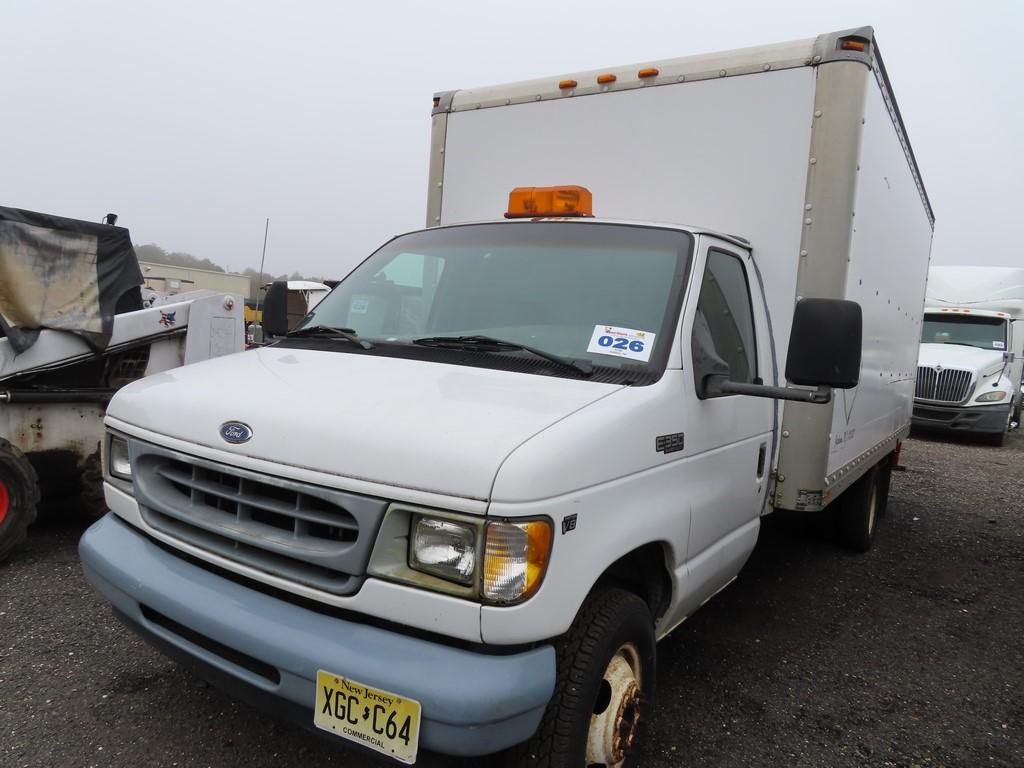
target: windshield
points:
(605, 294)
(974, 331)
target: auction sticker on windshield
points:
(621, 342)
(380, 720)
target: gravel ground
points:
(910, 655)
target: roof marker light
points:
(853, 44)
(648, 72)
(606, 78)
(566, 84)
(533, 202)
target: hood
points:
(422, 425)
(984, 361)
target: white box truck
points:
(971, 362)
(456, 508)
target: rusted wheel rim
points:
(613, 726)
(5, 501)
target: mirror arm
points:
(721, 385)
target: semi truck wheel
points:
(604, 687)
(858, 512)
(19, 494)
(998, 438)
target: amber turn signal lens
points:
(853, 44)
(515, 558)
(528, 202)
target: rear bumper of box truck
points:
(980, 419)
(268, 650)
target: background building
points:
(170, 279)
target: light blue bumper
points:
(473, 703)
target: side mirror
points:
(824, 352)
(275, 309)
(825, 344)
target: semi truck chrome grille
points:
(949, 385)
(308, 534)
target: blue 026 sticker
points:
(621, 342)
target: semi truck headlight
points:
(515, 557)
(991, 397)
(444, 548)
(120, 461)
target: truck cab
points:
(964, 373)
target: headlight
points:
(444, 548)
(515, 557)
(120, 462)
(990, 397)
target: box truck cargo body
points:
(651, 305)
(811, 164)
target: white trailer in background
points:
(971, 362)
(528, 449)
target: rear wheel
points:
(19, 495)
(858, 512)
(884, 481)
(604, 688)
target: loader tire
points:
(19, 497)
(604, 687)
(91, 480)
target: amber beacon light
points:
(530, 202)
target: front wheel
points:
(604, 688)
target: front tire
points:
(604, 688)
(19, 495)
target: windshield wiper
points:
(348, 334)
(491, 344)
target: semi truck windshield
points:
(973, 331)
(606, 295)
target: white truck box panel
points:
(727, 154)
(889, 253)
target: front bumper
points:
(979, 418)
(269, 650)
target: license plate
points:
(380, 720)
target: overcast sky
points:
(196, 120)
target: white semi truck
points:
(456, 508)
(73, 329)
(972, 351)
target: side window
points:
(725, 316)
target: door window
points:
(725, 315)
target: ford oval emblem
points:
(235, 432)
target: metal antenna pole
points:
(259, 283)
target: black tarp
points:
(64, 274)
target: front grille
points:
(308, 534)
(950, 385)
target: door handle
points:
(762, 455)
